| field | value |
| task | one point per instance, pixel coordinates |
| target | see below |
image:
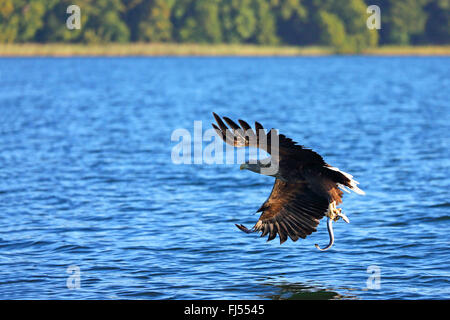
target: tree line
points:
(337, 23)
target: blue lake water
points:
(87, 179)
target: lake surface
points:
(93, 207)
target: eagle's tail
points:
(351, 183)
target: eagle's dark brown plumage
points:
(306, 187)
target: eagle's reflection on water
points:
(301, 291)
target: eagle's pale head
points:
(262, 167)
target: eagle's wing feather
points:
(245, 136)
(292, 209)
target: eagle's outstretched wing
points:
(245, 136)
(291, 155)
(292, 209)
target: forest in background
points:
(337, 24)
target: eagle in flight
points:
(306, 187)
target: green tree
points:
(342, 25)
(238, 20)
(54, 28)
(354, 14)
(9, 21)
(199, 22)
(333, 32)
(437, 26)
(265, 29)
(21, 19)
(293, 22)
(401, 21)
(149, 20)
(100, 22)
(104, 22)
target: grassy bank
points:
(409, 51)
(171, 49)
(156, 49)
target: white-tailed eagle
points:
(306, 187)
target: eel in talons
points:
(330, 232)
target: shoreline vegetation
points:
(176, 49)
